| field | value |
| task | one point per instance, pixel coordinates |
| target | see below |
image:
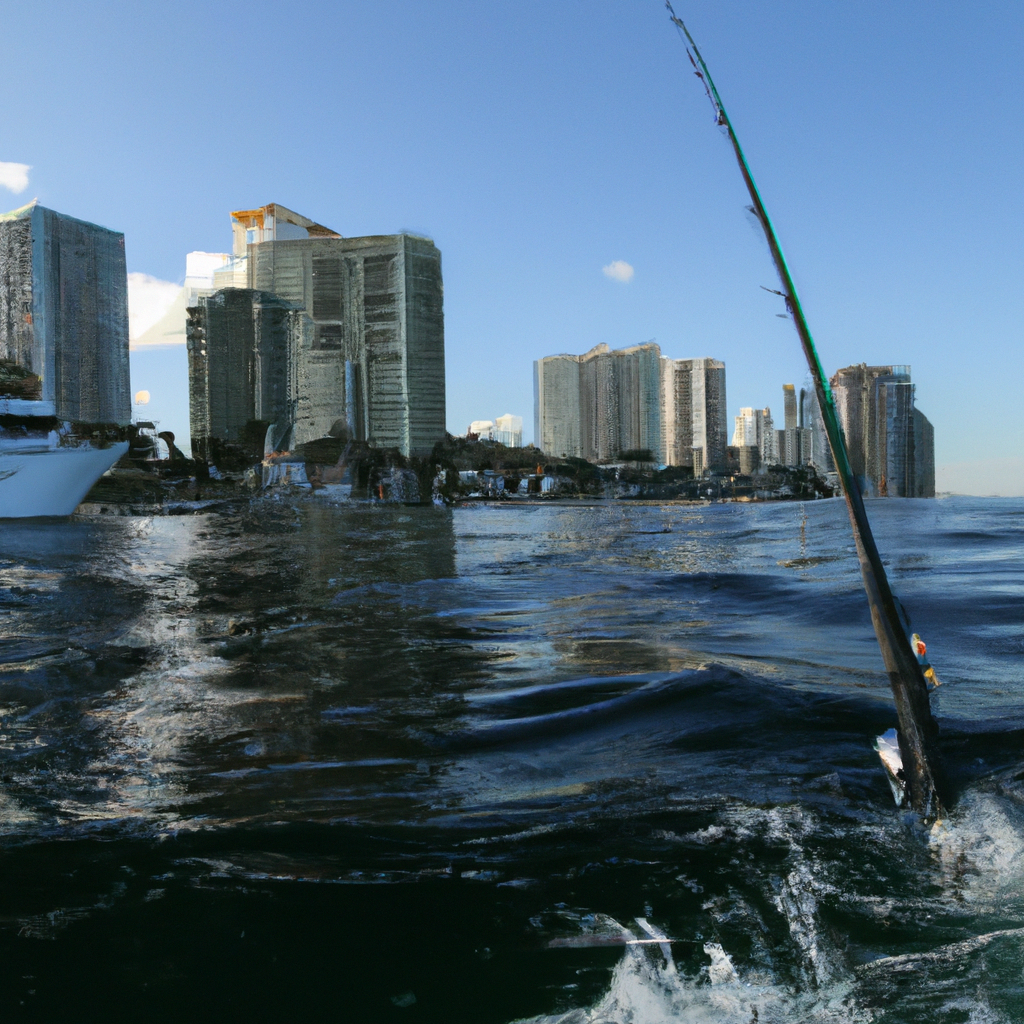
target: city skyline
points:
(606, 403)
(627, 228)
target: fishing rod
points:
(917, 728)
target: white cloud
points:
(149, 300)
(618, 270)
(14, 176)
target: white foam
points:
(979, 853)
(648, 989)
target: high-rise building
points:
(604, 403)
(794, 446)
(600, 404)
(345, 334)
(744, 429)
(890, 442)
(754, 428)
(710, 416)
(924, 456)
(508, 430)
(750, 428)
(221, 356)
(677, 411)
(789, 406)
(693, 397)
(819, 451)
(769, 448)
(620, 401)
(556, 405)
(64, 312)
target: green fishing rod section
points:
(917, 727)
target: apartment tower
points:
(64, 312)
(344, 335)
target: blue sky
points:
(538, 142)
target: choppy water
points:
(415, 764)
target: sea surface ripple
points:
(604, 762)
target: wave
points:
(950, 972)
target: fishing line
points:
(918, 728)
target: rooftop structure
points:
(272, 223)
(482, 430)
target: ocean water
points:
(559, 763)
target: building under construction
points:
(891, 443)
(64, 313)
(309, 333)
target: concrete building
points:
(556, 405)
(891, 443)
(347, 334)
(749, 459)
(769, 448)
(606, 402)
(789, 406)
(64, 312)
(755, 427)
(600, 404)
(676, 411)
(794, 443)
(508, 430)
(482, 430)
(710, 419)
(819, 451)
(744, 430)
(620, 401)
(794, 446)
(695, 429)
(221, 367)
(924, 456)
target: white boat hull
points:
(51, 481)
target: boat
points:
(45, 469)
